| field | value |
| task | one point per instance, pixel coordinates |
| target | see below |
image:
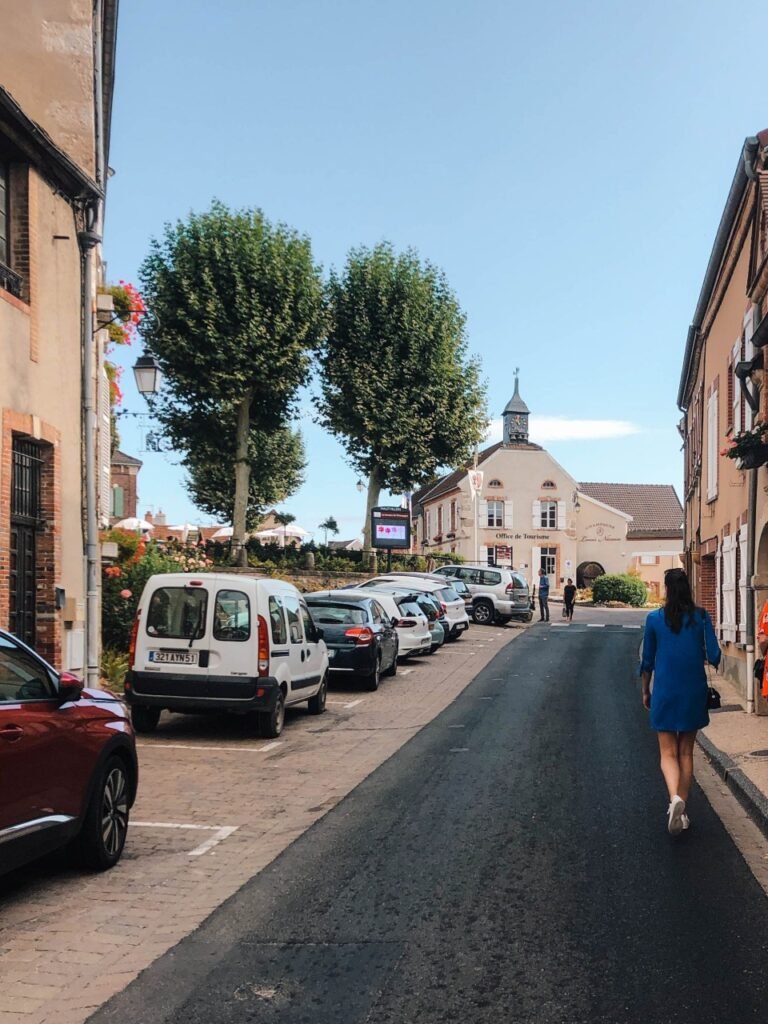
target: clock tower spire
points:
(515, 417)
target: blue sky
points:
(565, 163)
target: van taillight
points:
(360, 634)
(263, 647)
(132, 641)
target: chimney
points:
(148, 517)
(161, 519)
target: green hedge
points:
(626, 589)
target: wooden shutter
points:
(535, 565)
(562, 523)
(104, 451)
(536, 517)
(742, 582)
(508, 522)
(735, 359)
(482, 513)
(728, 588)
(718, 592)
(483, 554)
(712, 449)
(118, 501)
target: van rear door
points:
(173, 654)
(233, 667)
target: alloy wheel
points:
(114, 811)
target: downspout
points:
(751, 546)
(88, 240)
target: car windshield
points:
(409, 606)
(339, 614)
(449, 594)
(177, 613)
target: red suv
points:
(68, 770)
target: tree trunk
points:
(374, 492)
(242, 481)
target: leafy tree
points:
(398, 389)
(234, 309)
(284, 519)
(277, 470)
(329, 525)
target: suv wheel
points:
(317, 703)
(483, 612)
(144, 719)
(272, 722)
(102, 838)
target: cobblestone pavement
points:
(215, 806)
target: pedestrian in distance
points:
(569, 599)
(679, 639)
(762, 639)
(543, 596)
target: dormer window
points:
(495, 483)
(549, 485)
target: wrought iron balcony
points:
(11, 281)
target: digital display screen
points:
(391, 531)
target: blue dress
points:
(679, 698)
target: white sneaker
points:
(675, 816)
(685, 822)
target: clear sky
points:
(565, 163)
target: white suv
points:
(498, 595)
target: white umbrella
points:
(224, 533)
(283, 531)
(132, 523)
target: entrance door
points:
(25, 515)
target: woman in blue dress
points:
(678, 638)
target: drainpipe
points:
(752, 514)
(88, 240)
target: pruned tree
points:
(329, 525)
(234, 309)
(398, 388)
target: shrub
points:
(622, 588)
(114, 665)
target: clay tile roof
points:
(655, 508)
(121, 459)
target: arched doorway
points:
(587, 573)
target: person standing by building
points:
(543, 596)
(678, 639)
(762, 639)
(569, 599)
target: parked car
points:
(360, 636)
(413, 635)
(222, 642)
(459, 586)
(452, 605)
(67, 763)
(438, 623)
(498, 595)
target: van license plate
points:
(173, 657)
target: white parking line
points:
(595, 625)
(459, 750)
(626, 626)
(347, 703)
(208, 746)
(220, 833)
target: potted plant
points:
(749, 447)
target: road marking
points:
(625, 626)
(207, 746)
(347, 703)
(459, 750)
(404, 671)
(457, 727)
(595, 625)
(220, 833)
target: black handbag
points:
(757, 671)
(713, 699)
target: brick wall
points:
(706, 586)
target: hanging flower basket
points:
(749, 448)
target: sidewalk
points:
(736, 745)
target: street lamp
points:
(360, 486)
(147, 374)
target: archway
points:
(587, 573)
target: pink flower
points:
(126, 594)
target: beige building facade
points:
(722, 400)
(56, 62)
(521, 508)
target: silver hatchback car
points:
(498, 595)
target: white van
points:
(224, 642)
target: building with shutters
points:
(530, 513)
(56, 68)
(721, 395)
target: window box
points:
(753, 457)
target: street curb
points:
(753, 800)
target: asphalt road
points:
(510, 864)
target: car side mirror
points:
(394, 621)
(70, 687)
(319, 633)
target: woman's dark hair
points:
(679, 599)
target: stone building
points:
(722, 398)
(529, 512)
(56, 73)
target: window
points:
(379, 615)
(5, 249)
(22, 677)
(309, 627)
(549, 485)
(649, 559)
(549, 561)
(495, 513)
(118, 501)
(495, 483)
(439, 520)
(490, 579)
(277, 621)
(453, 517)
(427, 524)
(712, 446)
(294, 620)
(549, 515)
(177, 613)
(232, 616)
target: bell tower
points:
(515, 417)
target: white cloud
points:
(560, 428)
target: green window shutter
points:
(118, 500)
